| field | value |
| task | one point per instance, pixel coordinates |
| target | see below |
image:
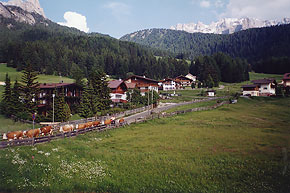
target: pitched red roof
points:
(114, 83)
(264, 81)
(286, 76)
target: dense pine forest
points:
(264, 48)
(64, 51)
(53, 49)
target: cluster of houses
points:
(265, 87)
(119, 88)
(144, 84)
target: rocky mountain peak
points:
(31, 6)
(228, 25)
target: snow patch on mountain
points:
(228, 25)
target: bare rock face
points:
(228, 25)
(4, 11)
(31, 6)
(24, 11)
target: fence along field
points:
(99, 128)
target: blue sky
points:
(120, 17)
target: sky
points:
(120, 17)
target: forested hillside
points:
(256, 45)
(53, 49)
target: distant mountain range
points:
(228, 25)
(252, 44)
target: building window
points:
(118, 96)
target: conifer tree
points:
(85, 104)
(61, 109)
(16, 100)
(97, 80)
(6, 105)
(29, 89)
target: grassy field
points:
(236, 148)
(194, 105)
(9, 125)
(14, 75)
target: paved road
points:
(159, 109)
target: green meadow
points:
(241, 147)
(15, 75)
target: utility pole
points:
(152, 98)
(53, 95)
(148, 101)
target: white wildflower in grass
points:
(34, 149)
(92, 171)
(55, 150)
(17, 160)
(98, 139)
(40, 152)
(47, 154)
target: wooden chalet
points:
(118, 91)
(182, 81)
(72, 93)
(267, 86)
(167, 84)
(250, 90)
(143, 83)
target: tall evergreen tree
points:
(16, 100)
(97, 80)
(6, 104)
(61, 109)
(29, 89)
(85, 104)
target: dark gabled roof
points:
(184, 77)
(166, 79)
(55, 85)
(264, 81)
(286, 76)
(250, 86)
(143, 77)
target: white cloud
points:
(118, 9)
(205, 4)
(76, 20)
(261, 9)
